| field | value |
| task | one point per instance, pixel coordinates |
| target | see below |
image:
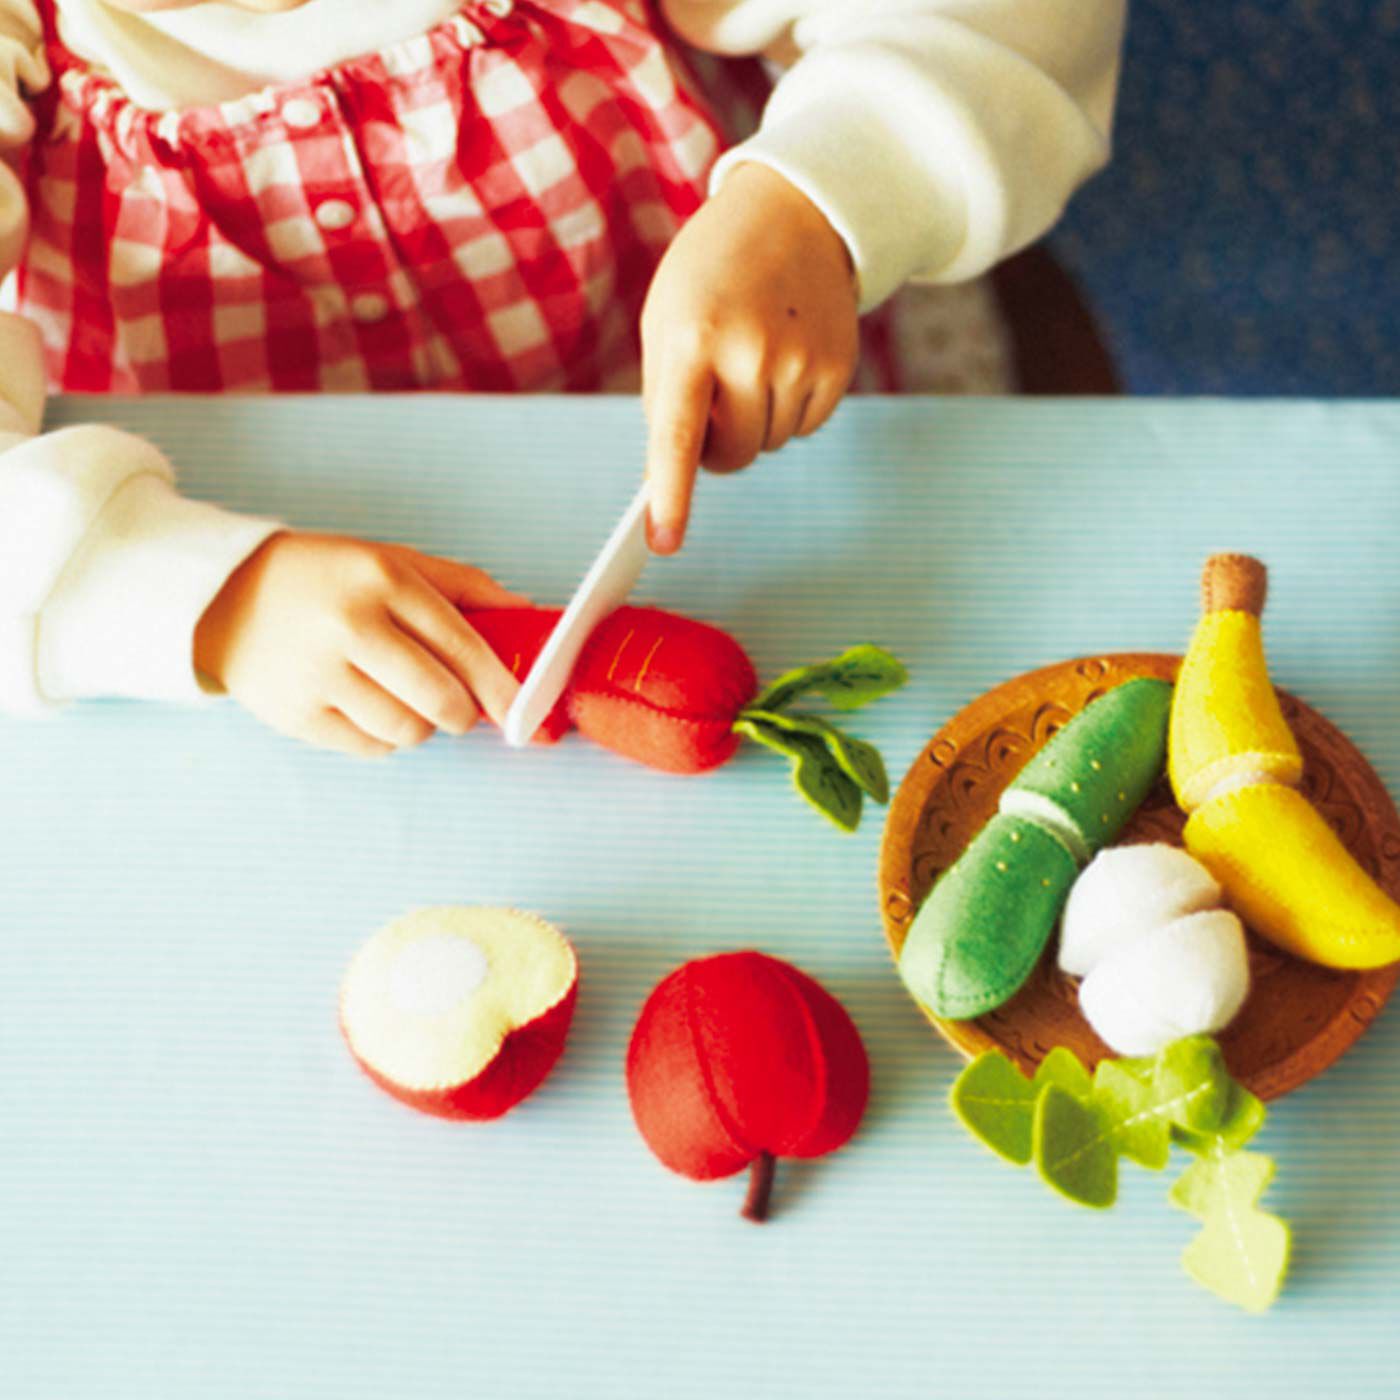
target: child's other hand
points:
(749, 337)
(354, 646)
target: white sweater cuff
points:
(105, 570)
(892, 213)
(122, 620)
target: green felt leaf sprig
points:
(832, 770)
(1075, 1127)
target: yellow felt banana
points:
(1228, 725)
(1233, 761)
(1289, 876)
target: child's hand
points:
(749, 337)
(355, 646)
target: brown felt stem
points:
(1234, 583)
(760, 1188)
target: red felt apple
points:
(739, 1059)
(680, 695)
(460, 1012)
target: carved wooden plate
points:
(1299, 1017)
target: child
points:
(502, 194)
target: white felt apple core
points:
(434, 974)
(428, 1001)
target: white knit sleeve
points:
(937, 136)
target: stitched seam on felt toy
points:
(1050, 817)
(815, 1052)
(997, 991)
(1234, 782)
(617, 655)
(1218, 1153)
(1156, 1111)
(646, 665)
(706, 1078)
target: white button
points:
(302, 113)
(369, 306)
(335, 213)
(499, 8)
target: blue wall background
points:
(1246, 239)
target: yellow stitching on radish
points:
(642, 674)
(618, 655)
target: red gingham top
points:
(480, 207)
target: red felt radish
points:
(739, 1059)
(460, 1012)
(678, 695)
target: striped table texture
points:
(204, 1198)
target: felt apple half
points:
(460, 1012)
(739, 1059)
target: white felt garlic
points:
(1159, 959)
(1188, 977)
(1125, 891)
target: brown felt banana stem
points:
(1234, 583)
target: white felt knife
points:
(605, 586)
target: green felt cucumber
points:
(988, 918)
(984, 924)
(1100, 766)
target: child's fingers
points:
(429, 618)
(392, 659)
(827, 394)
(331, 730)
(790, 402)
(464, 584)
(678, 408)
(371, 709)
(738, 423)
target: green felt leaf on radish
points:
(861, 762)
(816, 774)
(857, 677)
(820, 779)
(1242, 1252)
(756, 725)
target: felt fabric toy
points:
(1075, 1127)
(1186, 977)
(1227, 724)
(987, 919)
(460, 1012)
(1124, 892)
(679, 695)
(1233, 762)
(739, 1059)
(1159, 959)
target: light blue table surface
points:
(200, 1196)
